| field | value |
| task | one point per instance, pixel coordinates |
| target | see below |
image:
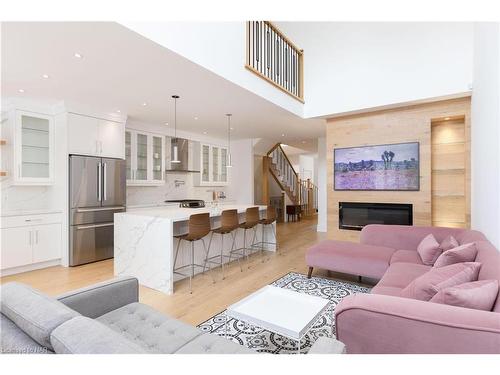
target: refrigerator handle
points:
(99, 181)
(105, 187)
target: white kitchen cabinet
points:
(46, 242)
(95, 137)
(30, 240)
(16, 247)
(213, 166)
(33, 148)
(145, 158)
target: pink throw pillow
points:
(460, 254)
(479, 295)
(429, 250)
(449, 243)
(430, 283)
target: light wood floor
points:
(208, 298)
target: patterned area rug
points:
(264, 341)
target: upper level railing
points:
(271, 55)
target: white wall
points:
(307, 167)
(485, 147)
(220, 48)
(351, 66)
(322, 185)
(241, 187)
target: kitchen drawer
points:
(29, 220)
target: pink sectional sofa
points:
(384, 322)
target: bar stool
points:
(270, 219)
(199, 227)
(229, 224)
(252, 218)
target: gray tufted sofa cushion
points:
(150, 329)
(212, 344)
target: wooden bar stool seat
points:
(199, 228)
(229, 225)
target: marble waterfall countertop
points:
(145, 245)
(176, 213)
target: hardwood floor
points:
(207, 298)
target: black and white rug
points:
(264, 341)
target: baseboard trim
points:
(30, 267)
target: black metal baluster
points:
(268, 50)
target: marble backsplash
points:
(183, 189)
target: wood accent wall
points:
(406, 124)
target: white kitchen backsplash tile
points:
(183, 189)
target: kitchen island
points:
(144, 243)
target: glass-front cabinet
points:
(158, 158)
(145, 158)
(213, 166)
(205, 164)
(34, 149)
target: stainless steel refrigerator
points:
(96, 193)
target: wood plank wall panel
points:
(406, 124)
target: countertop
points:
(8, 213)
(182, 214)
(172, 204)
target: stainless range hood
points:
(187, 152)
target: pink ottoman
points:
(350, 257)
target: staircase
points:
(300, 192)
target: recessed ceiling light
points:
(283, 134)
(144, 104)
(446, 118)
(46, 76)
(166, 123)
(78, 55)
(196, 118)
(232, 128)
(118, 111)
(21, 90)
(204, 132)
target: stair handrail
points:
(278, 145)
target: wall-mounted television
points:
(380, 167)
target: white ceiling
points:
(120, 70)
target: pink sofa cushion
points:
(479, 295)
(406, 256)
(448, 243)
(349, 257)
(400, 275)
(429, 249)
(459, 254)
(436, 279)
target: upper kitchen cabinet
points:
(212, 165)
(145, 158)
(33, 148)
(95, 136)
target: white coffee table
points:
(285, 312)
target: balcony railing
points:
(271, 55)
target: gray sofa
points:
(105, 318)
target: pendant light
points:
(175, 158)
(228, 157)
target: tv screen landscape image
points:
(380, 167)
